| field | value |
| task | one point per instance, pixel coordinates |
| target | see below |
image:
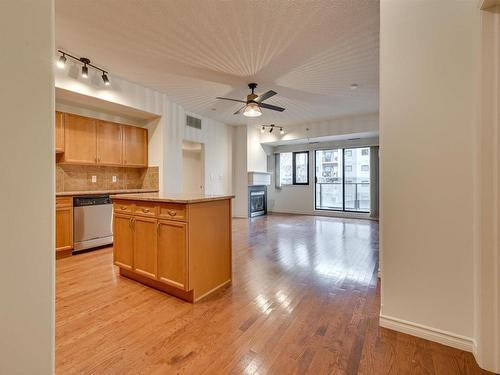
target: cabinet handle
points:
(130, 223)
(146, 210)
(172, 213)
(158, 227)
(123, 208)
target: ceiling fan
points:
(253, 104)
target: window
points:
(286, 175)
(301, 168)
(294, 168)
(343, 183)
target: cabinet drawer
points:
(172, 211)
(123, 207)
(64, 202)
(145, 209)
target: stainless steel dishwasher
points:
(92, 222)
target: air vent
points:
(193, 122)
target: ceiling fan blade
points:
(240, 110)
(265, 96)
(272, 107)
(233, 100)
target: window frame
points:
(294, 167)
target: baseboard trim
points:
(428, 333)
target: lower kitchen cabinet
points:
(172, 253)
(123, 241)
(64, 226)
(145, 236)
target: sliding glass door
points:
(343, 179)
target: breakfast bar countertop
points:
(172, 198)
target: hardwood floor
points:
(304, 299)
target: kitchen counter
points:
(173, 198)
(97, 192)
(179, 244)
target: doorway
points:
(193, 168)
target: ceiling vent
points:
(193, 122)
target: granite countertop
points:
(172, 198)
(96, 192)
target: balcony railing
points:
(329, 196)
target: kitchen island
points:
(179, 244)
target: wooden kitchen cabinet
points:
(123, 241)
(109, 140)
(59, 132)
(64, 226)
(86, 141)
(172, 253)
(135, 146)
(145, 245)
(79, 140)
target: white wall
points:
(28, 173)
(240, 176)
(166, 133)
(256, 156)
(428, 100)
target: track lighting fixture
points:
(105, 79)
(271, 128)
(61, 62)
(85, 71)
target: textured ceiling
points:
(308, 51)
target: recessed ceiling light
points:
(354, 86)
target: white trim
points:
(428, 333)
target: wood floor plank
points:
(304, 300)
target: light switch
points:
(94, 178)
(113, 178)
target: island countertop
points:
(172, 198)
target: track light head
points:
(85, 71)
(105, 79)
(61, 62)
(263, 129)
(282, 131)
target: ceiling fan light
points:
(252, 110)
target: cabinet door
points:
(145, 233)
(172, 253)
(135, 147)
(59, 132)
(123, 241)
(79, 139)
(64, 228)
(109, 143)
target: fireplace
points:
(257, 201)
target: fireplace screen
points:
(257, 201)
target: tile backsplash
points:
(79, 178)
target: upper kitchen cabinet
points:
(109, 143)
(87, 141)
(59, 132)
(79, 140)
(135, 147)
